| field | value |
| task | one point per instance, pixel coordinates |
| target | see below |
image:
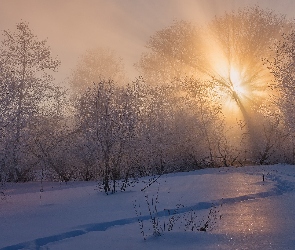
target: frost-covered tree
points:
(282, 65)
(240, 40)
(106, 119)
(228, 53)
(172, 52)
(52, 140)
(157, 121)
(205, 111)
(25, 68)
(97, 65)
(228, 50)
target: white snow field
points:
(224, 208)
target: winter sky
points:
(73, 26)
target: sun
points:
(238, 92)
(239, 83)
(236, 82)
(229, 77)
(231, 85)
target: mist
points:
(72, 27)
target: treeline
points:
(111, 133)
(108, 131)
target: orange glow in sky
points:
(74, 26)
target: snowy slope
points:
(236, 207)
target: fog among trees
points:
(206, 96)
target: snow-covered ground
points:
(235, 206)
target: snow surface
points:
(246, 212)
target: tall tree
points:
(239, 42)
(28, 62)
(172, 52)
(228, 50)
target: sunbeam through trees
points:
(207, 95)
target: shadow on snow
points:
(281, 187)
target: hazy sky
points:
(73, 26)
